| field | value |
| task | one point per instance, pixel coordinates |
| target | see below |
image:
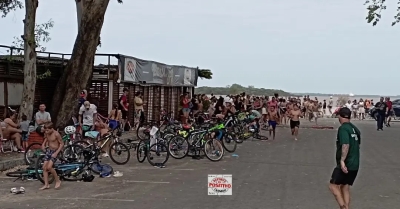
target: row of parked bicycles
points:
(156, 141)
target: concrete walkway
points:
(280, 174)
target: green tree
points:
(90, 19)
(236, 89)
(205, 74)
(28, 43)
(375, 8)
(7, 6)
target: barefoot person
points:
(273, 117)
(53, 139)
(295, 115)
(347, 159)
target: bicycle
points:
(70, 152)
(71, 171)
(153, 146)
(197, 141)
(116, 147)
(26, 174)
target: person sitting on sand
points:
(11, 131)
(55, 144)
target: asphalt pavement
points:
(280, 174)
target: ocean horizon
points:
(335, 98)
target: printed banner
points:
(149, 72)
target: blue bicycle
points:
(73, 171)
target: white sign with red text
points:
(220, 184)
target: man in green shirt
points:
(347, 159)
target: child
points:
(24, 125)
(53, 140)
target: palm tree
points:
(205, 74)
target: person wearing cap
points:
(347, 159)
(87, 117)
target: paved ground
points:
(282, 174)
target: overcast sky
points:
(296, 46)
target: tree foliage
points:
(236, 89)
(6, 6)
(205, 74)
(375, 8)
(42, 36)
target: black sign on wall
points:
(138, 71)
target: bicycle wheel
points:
(98, 168)
(168, 136)
(237, 132)
(141, 151)
(18, 174)
(39, 170)
(178, 147)
(214, 150)
(73, 153)
(229, 142)
(158, 154)
(117, 151)
(32, 152)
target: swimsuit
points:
(294, 124)
(48, 156)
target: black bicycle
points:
(153, 147)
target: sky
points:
(297, 46)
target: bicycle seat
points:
(186, 127)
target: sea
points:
(335, 98)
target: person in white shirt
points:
(330, 105)
(361, 109)
(348, 104)
(87, 117)
(354, 109)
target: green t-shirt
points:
(349, 134)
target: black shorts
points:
(294, 124)
(330, 107)
(341, 178)
(124, 114)
(390, 113)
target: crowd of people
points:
(268, 111)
